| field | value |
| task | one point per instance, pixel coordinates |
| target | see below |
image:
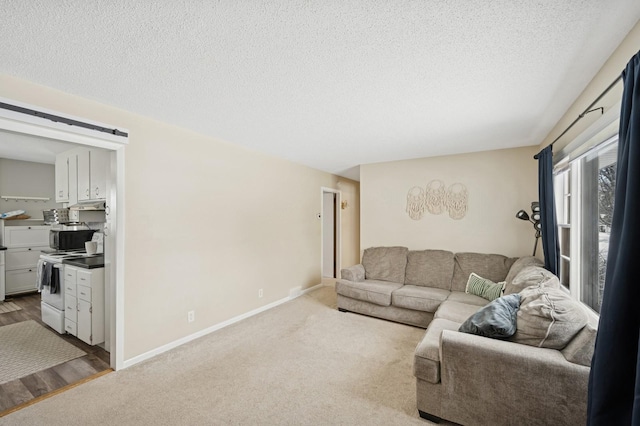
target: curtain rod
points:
(587, 110)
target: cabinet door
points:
(20, 281)
(73, 176)
(26, 236)
(71, 308)
(84, 321)
(62, 178)
(99, 166)
(21, 258)
(84, 170)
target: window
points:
(562, 186)
(584, 202)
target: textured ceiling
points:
(329, 84)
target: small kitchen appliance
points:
(69, 240)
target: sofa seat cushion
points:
(372, 291)
(429, 268)
(494, 267)
(466, 298)
(426, 359)
(456, 311)
(385, 263)
(419, 298)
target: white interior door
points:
(328, 235)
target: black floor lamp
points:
(535, 219)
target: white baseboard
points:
(164, 348)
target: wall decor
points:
(457, 199)
(416, 203)
(436, 198)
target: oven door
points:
(55, 300)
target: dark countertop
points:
(86, 262)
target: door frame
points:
(42, 127)
(338, 230)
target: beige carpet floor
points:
(301, 363)
(27, 347)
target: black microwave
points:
(69, 240)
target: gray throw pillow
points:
(496, 320)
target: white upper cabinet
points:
(62, 178)
(98, 166)
(91, 169)
(84, 175)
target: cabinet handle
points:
(82, 294)
(30, 270)
(69, 288)
(29, 249)
(97, 191)
(83, 279)
(87, 192)
(28, 227)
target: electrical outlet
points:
(260, 293)
(191, 316)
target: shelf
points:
(21, 198)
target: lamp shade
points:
(522, 215)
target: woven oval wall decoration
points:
(415, 203)
(457, 201)
(435, 197)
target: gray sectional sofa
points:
(538, 376)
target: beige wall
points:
(207, 223)
(499, 184)
(350, 222)
(612, 69)
(28, 179)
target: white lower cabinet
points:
(24, 244)
(20, 281)
(84, 300)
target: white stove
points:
(53, 303)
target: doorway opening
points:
(330, 235)
(52, 137)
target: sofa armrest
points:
(353, 273)
(493, 381)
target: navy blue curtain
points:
(614, 382)
(548, 219)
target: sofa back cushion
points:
(519, 265)
(385, 263)
(548, 318)
(429, 268)
(491, 266)
(531, 276)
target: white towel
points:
(39, 274)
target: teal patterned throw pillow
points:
(483, 287)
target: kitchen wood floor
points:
(27, 388)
